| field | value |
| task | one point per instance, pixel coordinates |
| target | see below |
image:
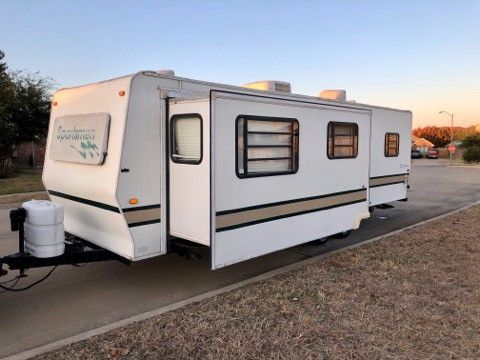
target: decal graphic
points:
(80, 138)
(86, 137)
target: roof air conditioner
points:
(166, 72)
(270, 85)
(338, 95)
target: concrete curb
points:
(265, 276)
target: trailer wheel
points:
(187, 249)
(2, 271)
(320, 241)
(343, 234)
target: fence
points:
(30, 153)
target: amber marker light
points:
(133, 201)
(121, 93)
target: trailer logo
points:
(81, 138)
(85, 137)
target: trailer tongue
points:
(75, 250)
(39, 248)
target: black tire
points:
(343, 234)
(320, 241)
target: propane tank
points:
(44, 231)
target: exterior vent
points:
(166, 72)
(338, 95)
(270, 85)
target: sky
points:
(418, 55)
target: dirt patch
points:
(413, 295)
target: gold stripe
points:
(136, 216)
(247, 216)
(387, 180)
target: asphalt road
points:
(74, 300)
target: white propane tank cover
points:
(43, 212)
(45, 251)
(44, 231)
(44, 241)
(43, 235)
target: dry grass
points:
(415, 295)
(23, 179)
(22, 197)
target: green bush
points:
(472, 140)
(471, 154)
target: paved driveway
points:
(74, 300)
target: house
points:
(421, 144)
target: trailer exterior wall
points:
(142, 168)
(190, 183)
(89, 192)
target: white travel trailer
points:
(143, 159)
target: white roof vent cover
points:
(165, 72)
(338, 95)
(270, 85)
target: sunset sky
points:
(417, 55)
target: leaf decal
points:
(82, 153)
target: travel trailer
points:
(143, 160)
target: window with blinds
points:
(342, 140)
(392, 144)
(186, 140)
(266, 146)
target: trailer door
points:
(189, 170)
(275, 184)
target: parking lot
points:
(74, 300)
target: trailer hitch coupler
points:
(17, 218)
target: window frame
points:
(294, 154)
(386, 147)
(355, 146)
(173, 118)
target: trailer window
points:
(342, 140)
(266, 146)
(186, 140)
(392, 143)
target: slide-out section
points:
(284, 173)
(390, 155)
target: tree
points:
(24, 110)
(32, 106)
(7, 128)
(440, 136)
(461, 133)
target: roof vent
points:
(270, 85)
(338, 95)
(165, 72)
